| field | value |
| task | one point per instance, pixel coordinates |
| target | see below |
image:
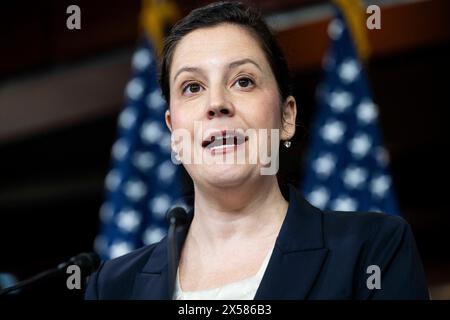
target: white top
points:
(239, 290)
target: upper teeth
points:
(225, 140)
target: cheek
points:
(178, 122)
(265, 111)
(183, 125)
(180, 119)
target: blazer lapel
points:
(298, 254)
(290, 275)
(152, 282)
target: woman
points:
(223, 75)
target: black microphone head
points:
(177, 215)
(88, 262)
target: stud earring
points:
(287, 143)
(175, 155)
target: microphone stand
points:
(86, 261)
(177, 218)
(173, 256)
(29, 281)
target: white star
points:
(159, 205)
(335, 29)
(333, 131)
(144, 160)
(319, 197)
(339, 100)
(112, 180)
(135, 88)
(166, 171)
(349, 70)
(151, 132)
(141, 59)
(354, 177)
(135, 189)
(119, 248)
(366, 111)
(153, 235)
(128, 220)
(155, 100)
(360, 145)
(106, 212)
(120, 149)
(344, 203)
(380, 185)
(127, 118)
(324, 165)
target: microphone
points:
(88, 263)
(177, 218)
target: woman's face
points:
(221, 80)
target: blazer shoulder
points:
(364, 226)
(378, 240)
(116, 277)
(133, 260)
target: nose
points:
(218, 105)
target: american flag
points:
(347, 165)
(143, 183)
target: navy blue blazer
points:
(317, 255)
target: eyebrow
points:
(232, 65)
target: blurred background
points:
(62, 92)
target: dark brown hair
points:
(234, 13)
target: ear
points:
(290, 115)
(168, 120)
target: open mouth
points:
(224, 139)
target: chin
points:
(227, 175)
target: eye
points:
(244, 82)
(192, 87)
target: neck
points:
(252, 210)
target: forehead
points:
(216, 46)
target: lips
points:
(224, 138)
